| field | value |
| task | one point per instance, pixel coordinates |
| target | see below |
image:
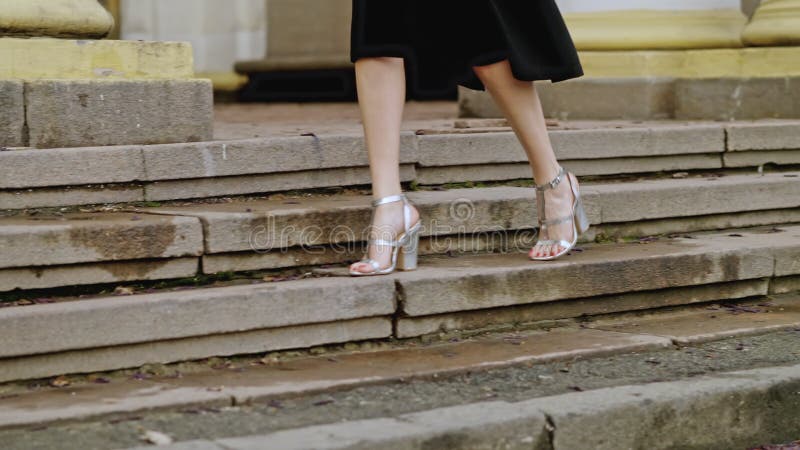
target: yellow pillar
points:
(656, 30)
(55, 18)
(69, 87)
(776, 22)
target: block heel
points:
(404, 249)
(407, 259)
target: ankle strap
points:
(389, 199)
(397, 198)
(552, 183)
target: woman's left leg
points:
(520, 103)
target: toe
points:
(358, 267)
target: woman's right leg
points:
(381, 87)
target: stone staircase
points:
(681, 213)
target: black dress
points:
(441, 40)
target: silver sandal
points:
(404, 251)
(580, 222)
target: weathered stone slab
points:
(597, 143)
(70, 196)
(189, 445)
(353, 251)
(482, 282)
(787, 260)
(655, 99)
(737, 98)
(262, 156)
(12, 114)
(760, 157)
(784, 285)
(698, 326)
(80, 238)
(305, 375)
(652, 199)
(649, 98)
(104, 272)
(228, 344)
(491, 241)
(408, 327)
(277, 182)
(265, 225)
(580, 167)
(647, 141)
(22, 169)
(611, 98)
(85, 113)
(82, 59)
(666, 226)
(703, 412)
(181, 314)
(481, 426)
(764, 135)
(630, 165)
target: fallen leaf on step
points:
(156, 438)
(123, 290)
(98, 379)
(61, 381)
(680, 175)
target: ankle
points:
(549, 174)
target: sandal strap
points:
(374, 264)
(389, 199)
(556, 221)
(397, 198)
(560, 242)
(554, 182)
(384, 243)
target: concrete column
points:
(775, 22)
(55, 18)
(221, 32)
(654, 24)
(70, 88)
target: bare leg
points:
(381, 92)
(520, 103)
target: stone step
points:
(48, 251)
(117, 332)
(257, 380)
(440, 155)
(703, 412)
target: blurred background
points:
(273, 50)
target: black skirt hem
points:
(468, 78)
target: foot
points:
(387, 225)
(558, 203)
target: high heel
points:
(404, 249)
(579, 219)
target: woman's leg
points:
(520, 103)
(381, 94)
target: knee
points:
(489, 70)
(380, 60)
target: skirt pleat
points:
(442, 40)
